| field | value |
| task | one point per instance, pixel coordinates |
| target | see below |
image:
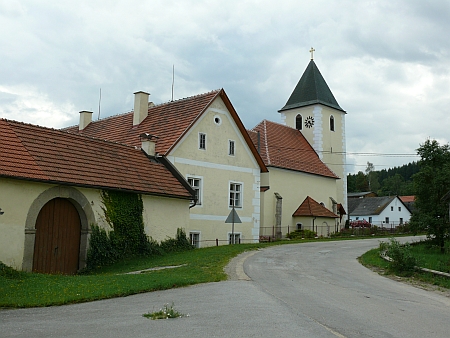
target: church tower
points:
(313, 110)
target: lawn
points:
(20, 289)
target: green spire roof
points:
(311, 89)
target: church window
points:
(332, 123)
(298, 122)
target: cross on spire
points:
(312, 50)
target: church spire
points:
(311, 89)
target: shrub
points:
(402, 260)
(299, 234)
(180, 243)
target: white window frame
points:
(202, 141)
(192, 234)
(237, 237)
(231, 147)
(198, 189)
(240, 192)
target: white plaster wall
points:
(394, 215)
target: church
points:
(305, 186)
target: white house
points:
(387, 211)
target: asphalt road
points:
(305, 290)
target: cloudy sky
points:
(386, 62)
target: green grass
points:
(202, 265)
(427, 256)
(20, 289)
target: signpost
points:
(233, 218)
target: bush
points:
(402, 260)
(180, 243)
(299, 234)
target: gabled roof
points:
(310, 207)
(36, 153)
(370, 205)
(285, 147)
(168, 121)
(407, 199)
(361, 194)
(311, 89)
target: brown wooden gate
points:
(57, 241)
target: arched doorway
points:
(57, 242)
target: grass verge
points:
(22, 289)
(427, 256)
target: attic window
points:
(202, 141)
(298, 122)
(217, 120)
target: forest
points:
(385, 182)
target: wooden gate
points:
(57, 241)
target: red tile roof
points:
(407, 199)
(169, 122)
(310, 207)
(35, 153)
(285, 147)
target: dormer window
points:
(332, 123)
(298, 122)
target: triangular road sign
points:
(233, 217)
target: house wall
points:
(329, 145)
(22, 200)
(394, 215)
(217, 169)
(322, 226)
(294, 187)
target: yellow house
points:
(50, 194)
(203, 137)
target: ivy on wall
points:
(123, 212)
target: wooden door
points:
(57, 241)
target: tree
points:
(431, 184)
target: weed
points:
(402, 260)
(165, 312)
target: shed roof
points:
(36, 153)
(310, 207)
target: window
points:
(195, 239)
(332, 123)
(235, 195)
(299, 226)
(401, 220)
(237, 238)
(399, 208)
(386, 220)
(196, 184)
(202, 141)
(298, 122)
(230, 147)
(370, 219)
(392, 208)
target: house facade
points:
(50, 194)
(203, 137)
(386, 211)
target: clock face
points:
(309, 122)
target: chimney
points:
(148, 143)
(140, 107)
(85, 119)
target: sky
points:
(386, 62)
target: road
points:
(301, 290)
(324, 281)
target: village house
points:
(50, 194)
